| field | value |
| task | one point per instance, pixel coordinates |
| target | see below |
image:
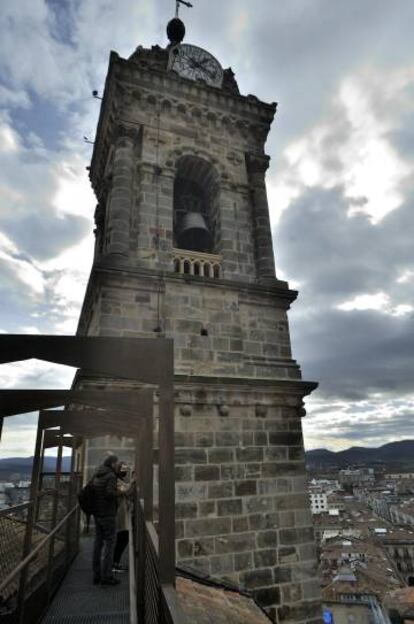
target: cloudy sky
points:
(341, 185)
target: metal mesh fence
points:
(13, 523)
(44, 534)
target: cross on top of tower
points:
(175, 27)
(177, 6)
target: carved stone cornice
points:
(103, 138)
(275, 289)
(192, 91)
(99, 216)
(125, 131)
(152, 168)
(257, 164)
(249, 386)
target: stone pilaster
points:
(99, 218)
(121, 196)
(154, 216)
(228, 233)
(165, 194)
(257, 166)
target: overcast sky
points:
(341, 185)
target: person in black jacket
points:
(104, 483)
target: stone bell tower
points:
(184, 250)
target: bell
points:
(193, 233)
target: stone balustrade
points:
(197, 263)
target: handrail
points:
(7, 510)
(133, 615)
(174, 607)
(158, 601)
(51, 473)
(34, 552)
(153, 535)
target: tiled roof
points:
(402, 600)
(212, 604)
(368, 581)
(365, 560)
(398, 535)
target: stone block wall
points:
(152, 121)
(241, 493)
(242, 505)
(247, 329)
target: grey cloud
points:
(403, 138)
(299, 54)
(45, 237)
(354, 354)
(366, 407)
(23, 420)
(336, 258)
(376, 428)
(44, 376)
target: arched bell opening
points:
(195, 205)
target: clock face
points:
(196, 64)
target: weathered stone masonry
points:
(242, 506)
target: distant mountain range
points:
(23, 465)
(398, 453)
(395, 453)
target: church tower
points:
(184, 250)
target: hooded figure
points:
(106, 504)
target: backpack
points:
(86, 498)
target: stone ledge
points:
(273, 288)
(298, 387)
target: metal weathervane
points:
(177, 6)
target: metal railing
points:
(35, 553)
(54, 521)
(13, 522)
(151, 601)
(28, 583)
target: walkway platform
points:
(78, 601)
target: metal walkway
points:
(78, 601)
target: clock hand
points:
(200, 65)
(194, 63)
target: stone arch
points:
(196, 200)
(173, 157)
(151, 100)
(166, 106)
(211, 119)
(182, 109)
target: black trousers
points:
(103, 549)
(120, 545)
